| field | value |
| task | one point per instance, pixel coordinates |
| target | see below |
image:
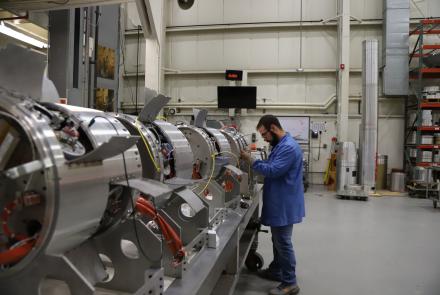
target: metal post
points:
(137, 68)
(368, 143)
(343, 68)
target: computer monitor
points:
(244, 97)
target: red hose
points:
(171, 237)
(14, 255)
(169, 233)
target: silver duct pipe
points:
(368, 134)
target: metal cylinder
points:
(368, 134)
(382, 168)
(398, 182)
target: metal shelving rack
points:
(416, 103)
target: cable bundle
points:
(171, 237)
(23, 245)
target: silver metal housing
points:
(74, 192)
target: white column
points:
(344, 61)
(155, 44)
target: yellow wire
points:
(213, 167)
(161, 118)
(147, 146)
(212, 173)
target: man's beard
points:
(274, 140)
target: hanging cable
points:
(212, 173)
(170, 235)
(92, 121)
(18, 251)
(21, 248)
(138, 127)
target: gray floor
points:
(386, 246)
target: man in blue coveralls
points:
(283, 200)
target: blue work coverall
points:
(283, 202)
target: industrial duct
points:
(395, 47)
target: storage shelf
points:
(428, 164)
(418, 55)
(427, 73)
(430, 105)
(430, 21)
(429, 128)
(428, 146)
(428, 32)
(431, 46)
(419, 74)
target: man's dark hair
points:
(267, 121)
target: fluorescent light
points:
(20, 36)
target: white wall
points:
(197, 57)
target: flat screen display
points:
(243, 97)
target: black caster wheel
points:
(254, 261)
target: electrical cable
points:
(18, 251)
(92, 121)
(157, 134)
(163, 118)
(319, 150)
(156, 165)
(212, 173)
(170, 235)
(24, 245)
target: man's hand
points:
(246, 155)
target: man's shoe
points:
(284, 289)
(268, 275)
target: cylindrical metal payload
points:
(164, 151)
(203, 149)
(61, 162)
(346, 165)
(368, 139)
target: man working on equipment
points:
(283, 200)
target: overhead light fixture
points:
(20, 36)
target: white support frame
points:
(343, 72)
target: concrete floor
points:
(386, 246)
